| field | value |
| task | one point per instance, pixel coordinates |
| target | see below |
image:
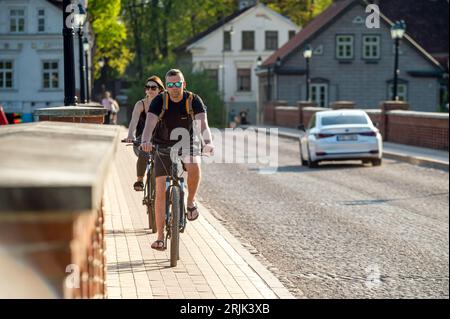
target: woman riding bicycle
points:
(153, 87)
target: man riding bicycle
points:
(168, 113)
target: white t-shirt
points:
(108, 103)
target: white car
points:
(340, 135)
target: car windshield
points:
(344, 119)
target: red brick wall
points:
(417, 129)
(73, 119)
(288, 116)
(269, 111)
(75, 240)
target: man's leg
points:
(162, 164)
(160, 205)
(193, 182)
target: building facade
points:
(353, 62)
(228, 51)
(31, 55)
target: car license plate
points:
(350, 137)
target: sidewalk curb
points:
(414, 160)
(419, 161)
(213, 218)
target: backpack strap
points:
(165, 104)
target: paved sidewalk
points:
(213, 263)
(414, 155)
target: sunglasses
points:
(151, 87)
(174, 84)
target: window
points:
(344, 47)
(17, 20)
(6, 74)
(227, 41)
(319, 94)
(343, 120)
(271, 40)
(41, 20)
(213, 75)
(291, 34)
(371, 47)
(248, 40)
(244, 80)
(402, 91)
(50, 75)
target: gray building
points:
(354, 62)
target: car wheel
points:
(312, 164)
(377, 162)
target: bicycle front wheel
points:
(151, 188)
(174, 225)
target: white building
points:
(229, 51)
(31, 55)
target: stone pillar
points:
(94, 113)
(269, 111)
(51, 215)
(339, 105)
(385, 107)
(301, 106)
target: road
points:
(343, 230)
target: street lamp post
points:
(69, 59)
(277, 66)
(80, 19)
(86, 48)
(307, 54)
(397, 33)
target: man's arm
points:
(150, 124)
(205, 132)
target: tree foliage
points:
(110, 34)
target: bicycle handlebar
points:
(158, 148)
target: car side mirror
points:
(301, 127)
(376, 124)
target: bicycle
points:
(149, 186)
(175, 210)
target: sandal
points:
(138, 186)
(190, 213)
(158, 245)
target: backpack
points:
(189, 109)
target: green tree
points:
(110, 33)
(299, 11)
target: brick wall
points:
(269, 111)
(418, 129)
(288, 116)
(424, 129)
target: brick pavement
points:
(213, 263)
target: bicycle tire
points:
(174, 225)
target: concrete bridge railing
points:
(52, 176)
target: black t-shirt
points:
(176, 116)
(141, 122)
